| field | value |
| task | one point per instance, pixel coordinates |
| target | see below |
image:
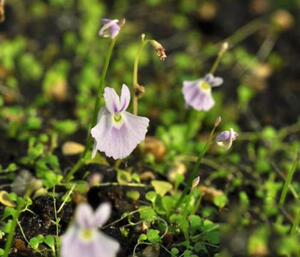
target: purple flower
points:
(226, 138)
(118, 132)
(110, 28)
(83, 238)
(198, 93)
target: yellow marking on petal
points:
(117, 120)
(87, 235)
(204, 86)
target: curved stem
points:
(135, 75)
(221, 53)
(195, 170)
(80, 163)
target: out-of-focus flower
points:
(198, 93)
(118, 132)
(226, 138)
(110, 28)
(83, 238)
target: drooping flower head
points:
(197, 94)
(83, 237)
(226, 138)
(118, 132)
(110, 28)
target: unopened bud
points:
(160, 50)
(224, 47)
(218, 121)
(143, 37)
(196, 182)
(122, 22)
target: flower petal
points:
(125, 98)
(112, 100)
(226, 138)
(209, 78)
(84, 216)
(110, 28)
(105, 246)
(217, 81)
(119, 142)
(73, 246)
(197, 98)
(102, 214)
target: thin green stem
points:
(13, 227)
(288, 180)
(296, 222)
(246, 31)
(221, 53)
(135, 75)
(195, 171)
(80, 163)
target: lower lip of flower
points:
(204, 86)
(87, 235)
(117, 120)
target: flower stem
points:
(80, 163)
(288, 180)
(222, 51)
(296, 222)
(195, 171)
(135, 82)
(13, 227)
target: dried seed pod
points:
(147, 176)
(72, 148)
(2, 11)
(283, 20)
(4, 199)
(210, 193)
(178, 169)
(154, 146)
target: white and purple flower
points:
(118, 132)
(197, 94)
(110, 28)
(226, 138)
(83, 237)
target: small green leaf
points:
(147, 214)
(151, 196)
(153, 236)
(220, 200)
(133, 195)
(195, 222)
(36, 241)
(124, 177)
(142, 238)
(161, 187)
(174, 251)
(50, 241)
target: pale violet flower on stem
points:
(83, 237)
(226, 138)
(197, 94)
(110, 28)
(118, 132)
